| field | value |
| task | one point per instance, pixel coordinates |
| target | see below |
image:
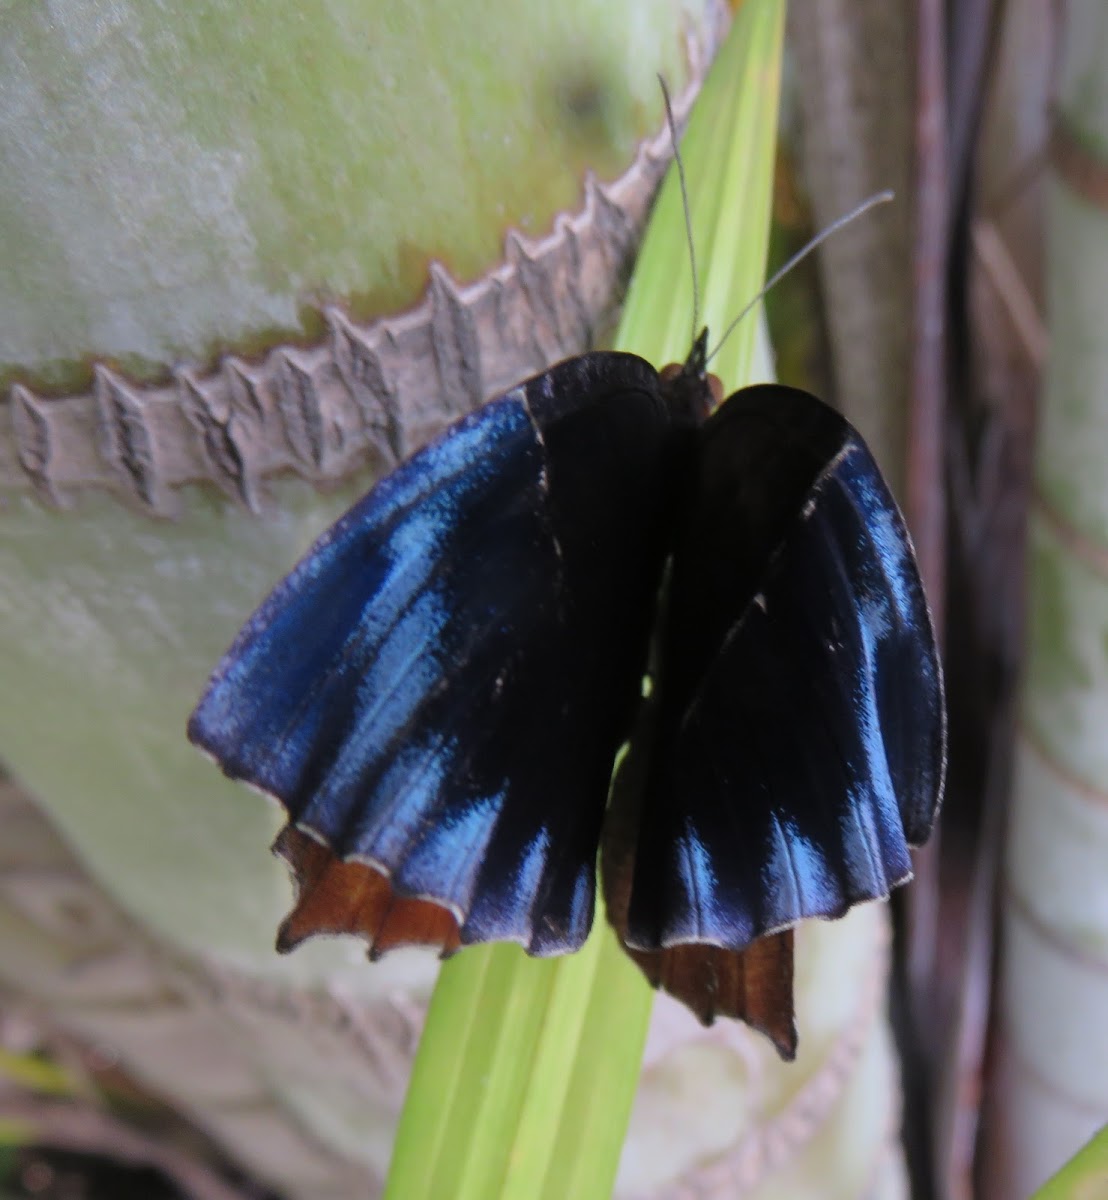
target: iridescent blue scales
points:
(438, 691)
(800, 720)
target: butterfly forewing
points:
(801, 731)
(440, 687)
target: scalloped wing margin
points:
(437, 691)
(801, 746)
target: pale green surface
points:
(1053, 989)
(524, 1079)
(151, 200)
(1055, 997)
(1080, 76)
(1059, 845)
(1073, 425)
(839, 1161)
(1066, 698)
(181, 178)
(111, 624)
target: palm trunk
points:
(1049, 1086)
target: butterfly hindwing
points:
(801, 736)
(438, 689)
(754, 984)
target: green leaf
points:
(524, 1079)
(13, 1134)
(1084, 1177)
(34, 1073)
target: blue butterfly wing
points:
(801, 741)
(754, 984)
(437, 691)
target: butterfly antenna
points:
(685, 207)
(800, 255)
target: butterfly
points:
(438, 691)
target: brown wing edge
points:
(753, 985)
(334, 897)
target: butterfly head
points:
(692, 392)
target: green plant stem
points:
(525, 1077)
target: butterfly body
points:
(438, 691)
